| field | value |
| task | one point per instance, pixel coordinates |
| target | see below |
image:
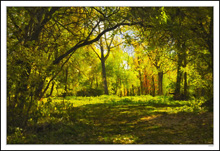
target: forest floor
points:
(118, 120)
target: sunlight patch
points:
(124, 139)
(147, 118)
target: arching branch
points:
(84, 43)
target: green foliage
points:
(16, 138)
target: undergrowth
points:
(110, 119)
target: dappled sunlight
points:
(147, 118)
(124, 139)
(122, 121)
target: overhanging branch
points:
(73, 49)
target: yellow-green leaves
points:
(164, 15)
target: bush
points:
(208, 104)
(126, 100)
(68, 93)
(89, 92)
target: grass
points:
(117, 120)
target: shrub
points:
(126, 100)
(208, 104)
(89, 92)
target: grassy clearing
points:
(117, 120)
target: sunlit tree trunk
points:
(141, 83)
(140, 78)
(104, 72)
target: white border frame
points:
(214, 4)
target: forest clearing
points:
(117, 120)
(109, 75)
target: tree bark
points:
(160, 83)
(22, 89)
(185, 86)
(66, 82)
(132, 89)
(177, 95)
(104, 72)
(153, 93)
(185, 78)
(210, 41)
(141, 83)
(178, 79)
(51, 91)
(140, 78)
(97, 83)
(21, 94)
(145, 83)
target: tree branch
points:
(74, 48)
(38, 29)
(64, 27)
(92, 31)
(96, 53)
(99, 12)
(42, 94)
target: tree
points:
(183, 28)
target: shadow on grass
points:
(122, 122)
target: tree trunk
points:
(132, 89)
(91, 81)
(210, 42)
(153, 93)
(139, 91)
(27, 113)
(21, 96)
(185, 86)
(160, 83)
(125, 93)
(116, 85)
(128, 92)
(104, 72)
(140, 78)
(66, 81)
(97, 83)
(51, 91)
(65, 93)
(145, 84)
(22, 89)
(141, 83)
(178, 80)
(185, 78)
